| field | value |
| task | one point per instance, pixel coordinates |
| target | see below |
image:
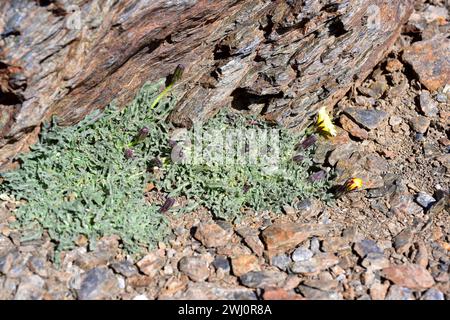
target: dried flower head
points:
(129, 153)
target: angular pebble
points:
(410, 276)
(195, 268)
(368, 119)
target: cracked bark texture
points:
(281, 58)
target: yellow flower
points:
(353, 184)
(324, 123)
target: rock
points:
(140, 297)
(289, 210)
(342, 152)
(243, 51)
(375, 89)
(280, 294)
(403, 241)
(38, 266)
(283, 237)
(315, 294)
(308, 267)
(378, 291)
(322, 284)
(251, 239)
(125, 268)
(30, 288)
(104, 252)
(326, 260)
(425, 200)
(352, 128)
(393, 65)
(366, 246)
(441, 98)
(432, 294)
(98, 284)
(421, 257)
(411, 276)
(314, 245)
(368, 119)
(140, 281)
(399, 293)
(221, 262)
(195, 268)
(243, 264)
(211, 235)
(427, 105)
(6, 245)
(211, 291)
(335, 244)
(151, 264)
(281, 261)
(395, 121)
(430, 62)
(302, 254)
(6, 263)
(263, 279)
(375, 261)
(420, 124)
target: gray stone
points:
(420, 124)
(262, 279)
(375, 261)
(30, 288)
(399, 293)
(125, 268)
(369, 119)
(442, 98)
(98, 284)
(315, 245)
(425, 200)
(37, 265)
(281, 261)
(195, 268)
(308, 266)
(366, 246)
(5, 245)
(302, 254)
(316, 294)
(210, 291)
(433, 294)
(223, 263)
(427, 105)
(403, 241)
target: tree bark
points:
(282, 58)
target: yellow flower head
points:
(353, 184)
(324, 123)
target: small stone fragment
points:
(425, 200)
(410, 276)
(243, 264)
(368, 119)
(195, 268)
(302, 254)
(212, 235)
(366, 246)
(427, 105)
(263, 279)
(151, 264)
(98, 284)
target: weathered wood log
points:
(284, 58)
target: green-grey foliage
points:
(77, 181)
